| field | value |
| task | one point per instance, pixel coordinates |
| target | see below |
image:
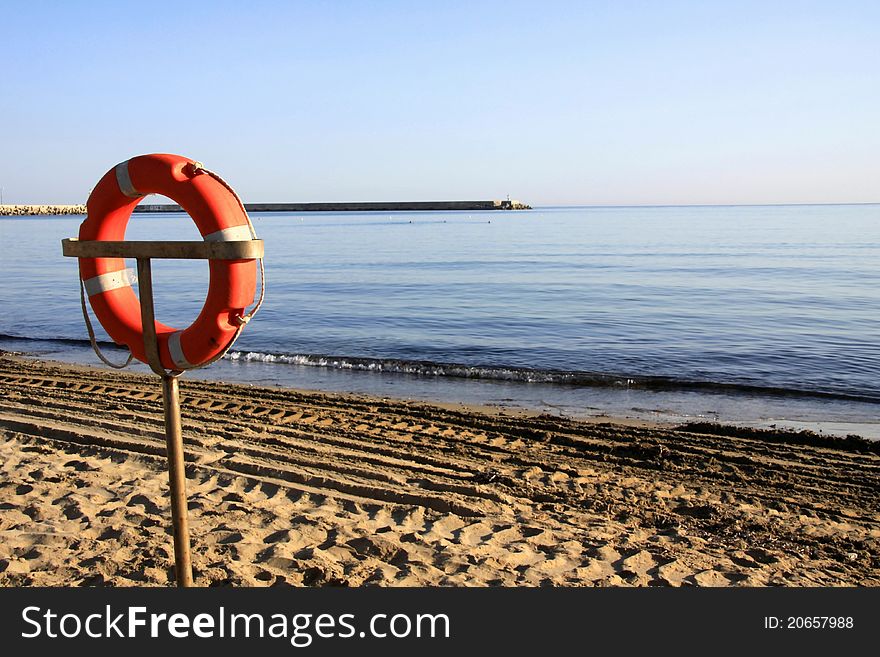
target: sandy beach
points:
(310, 489)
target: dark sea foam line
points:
(74, 342)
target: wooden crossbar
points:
(236, 250)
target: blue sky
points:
(550, 102)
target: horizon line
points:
(704, 205)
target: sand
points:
(308, 489)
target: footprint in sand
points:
(472, 534)
(148, 504)
(638, 564)
(231, 537)
(110, 534)
(80, 466)
(273, 557)
(710, 578)
(379, 548)
(282, 535)
(674, 573)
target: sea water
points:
(762, 315)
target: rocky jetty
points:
(23, 210)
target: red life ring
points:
(218, 215)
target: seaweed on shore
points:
(850, 443)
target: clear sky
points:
(656, 102)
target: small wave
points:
(529, 375)
(431, 368)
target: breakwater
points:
(393, 206)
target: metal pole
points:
(177, 480)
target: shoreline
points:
(750, 408)
(304, 488)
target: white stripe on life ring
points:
(176, 351)
(124, 181)
(105, 282)
(231, 234)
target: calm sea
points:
(760, 315)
